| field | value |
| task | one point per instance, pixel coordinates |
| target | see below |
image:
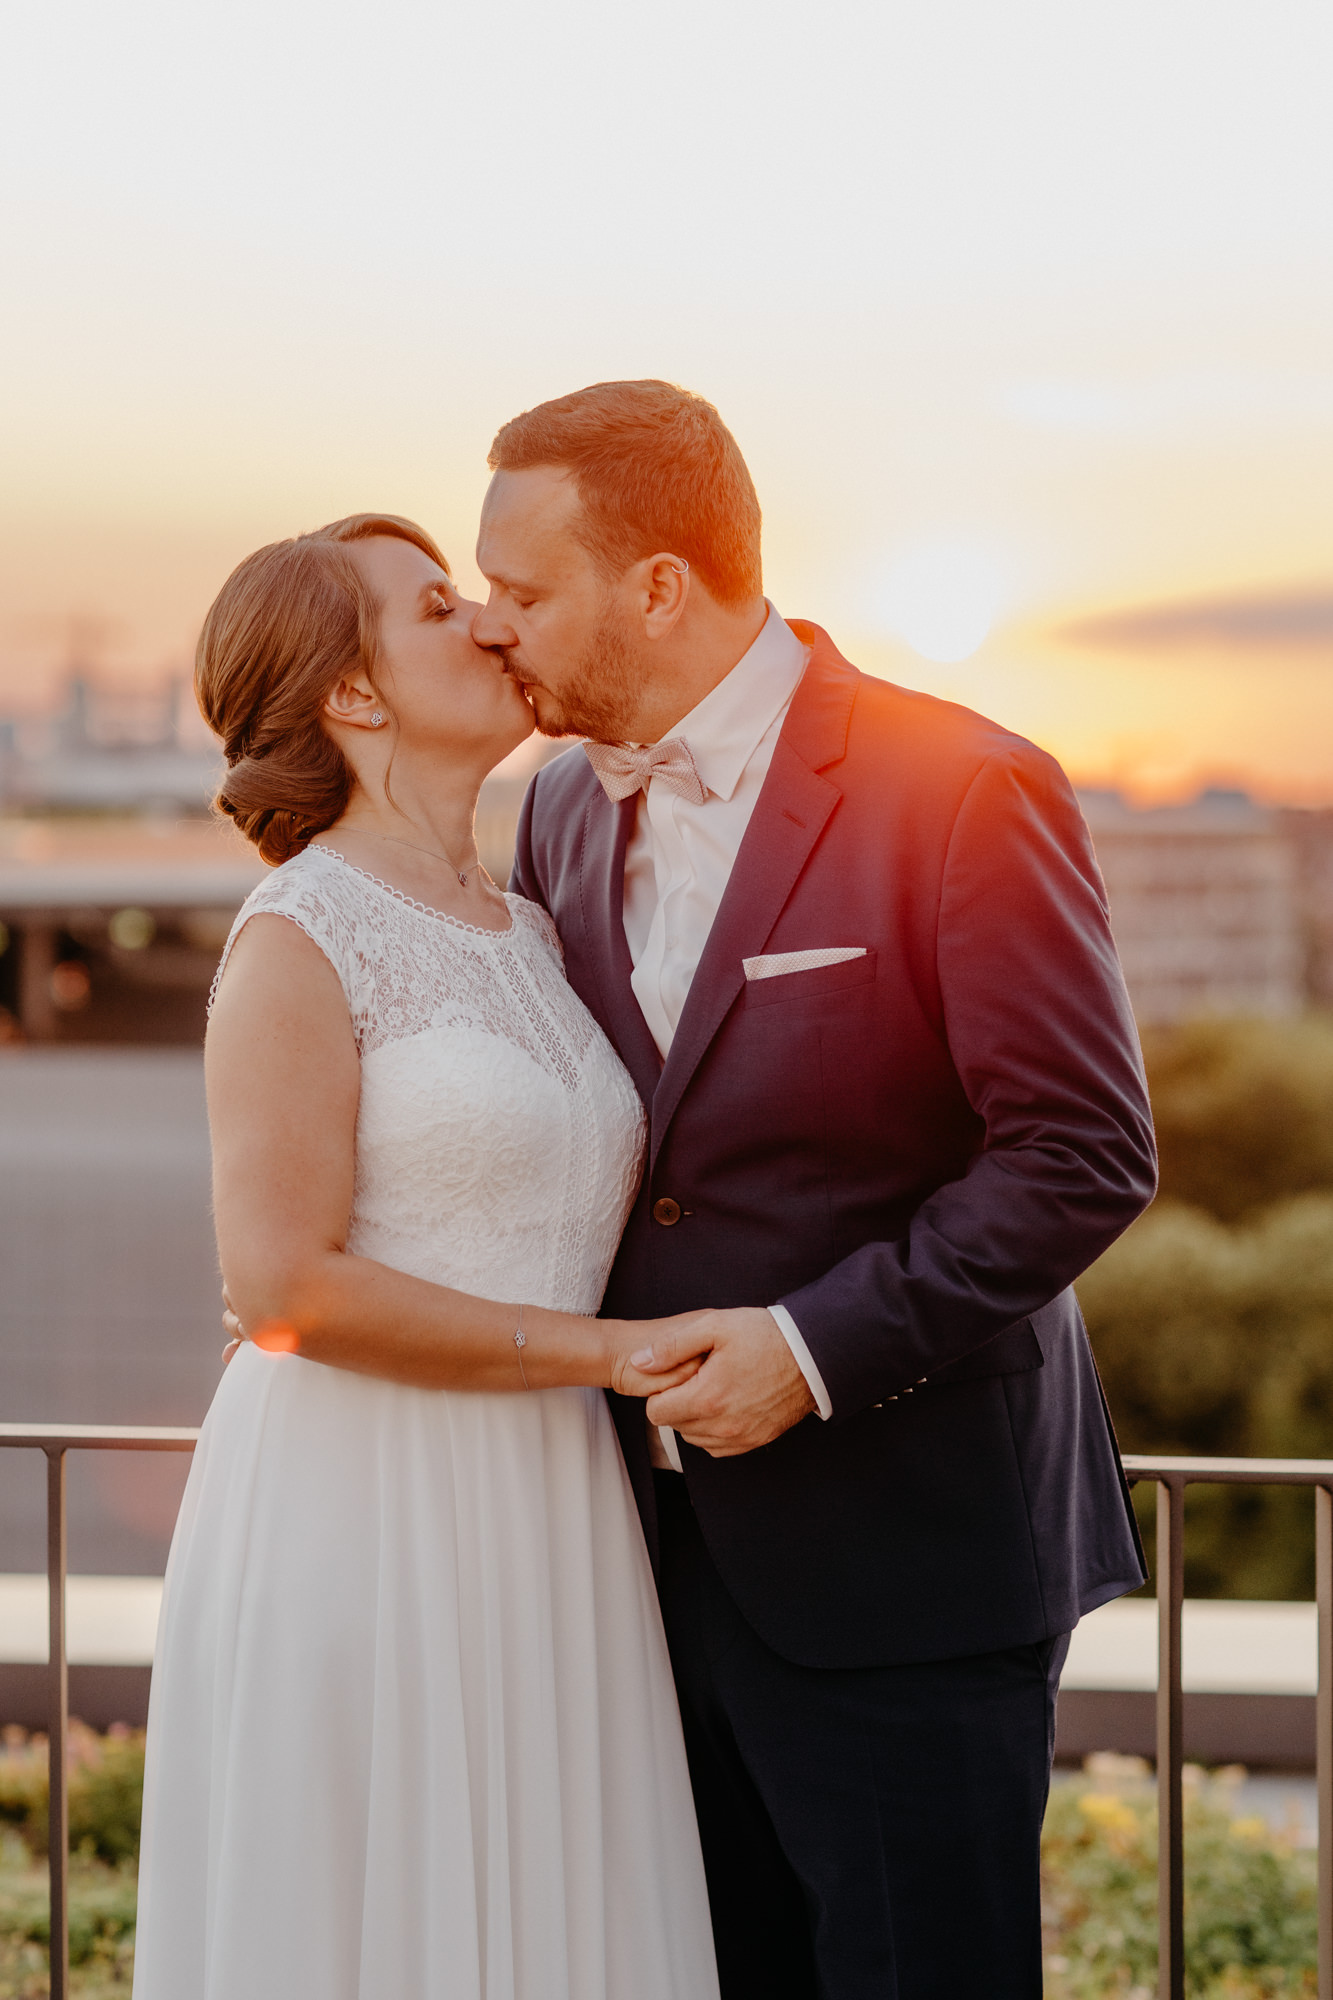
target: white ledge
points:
(1227, 1647)
(110, 1621)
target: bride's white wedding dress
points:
(413, 1733)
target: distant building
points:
(108, 751)
(110, 930)
(111, 927)
(1310, 835)
(1206, 904)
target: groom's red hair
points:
(657, 470)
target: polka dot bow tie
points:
(624, 768)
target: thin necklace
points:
(461, 873)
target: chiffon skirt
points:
(413, 1734)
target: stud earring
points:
(376, 720)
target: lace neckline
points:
(424, 909)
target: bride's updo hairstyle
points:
(285, 627)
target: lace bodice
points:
(499, 1140)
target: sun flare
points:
(941, 597)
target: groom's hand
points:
(748, 1391)
(232, 1327)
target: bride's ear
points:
(354, 703)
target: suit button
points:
(666, 1211)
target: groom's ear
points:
(664, 584)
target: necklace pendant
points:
(462, 878)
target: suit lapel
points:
(606, 832)
(789, 816)
(788, 819)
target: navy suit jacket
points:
(916, 1151)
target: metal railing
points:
(1171, 1476)
(56, 1440)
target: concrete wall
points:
(109, 1308)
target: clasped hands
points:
(744, 1390)
(732, 1381)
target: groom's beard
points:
(600, 697)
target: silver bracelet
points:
(520, 1342)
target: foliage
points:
(1212, 1317)
(1250, 1898)
(1250, 1902)
(102, 1910)
(105, 1798)
(1244, 1110)
(105, 1791)
(23, 1781)
(1217, 1340)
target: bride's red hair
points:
(287, 624)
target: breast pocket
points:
(812, 984)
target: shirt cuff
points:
(804, 1360)
(663, 1449)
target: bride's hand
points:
(635, 1338)
(749, 1390)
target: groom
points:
(853, 946)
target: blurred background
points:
(1023, 317)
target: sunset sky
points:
(1022, 314)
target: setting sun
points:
(941, 598)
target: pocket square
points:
(772, 965)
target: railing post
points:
(58, 1725)
(1323, 1501)
(1170, 1742)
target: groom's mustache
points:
(510, 665)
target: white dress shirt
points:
(678, 862)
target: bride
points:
(413, 1731)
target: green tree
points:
(1219, 1340)
(1244, 1110)
(1212, 1317)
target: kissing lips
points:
(524, 682)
